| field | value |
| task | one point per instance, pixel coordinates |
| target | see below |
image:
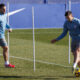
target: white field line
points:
(39, 61)
(37, 33)
(36, 28)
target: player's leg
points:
(74, 62)
(5, 53)
(76, 53)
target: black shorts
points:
(75, 45)
(3, 42)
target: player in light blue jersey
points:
(73, 26)
(3, 27)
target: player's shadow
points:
(37, 77)
(29, 77)
(68, 77)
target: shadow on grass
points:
(38, 77)
(29, 77)
(68, 77)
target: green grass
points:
(21, 45)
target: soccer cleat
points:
(77, 72)
(10, 66)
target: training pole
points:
(8, 23)
(33, 37)
(65, 5)
(69, 34)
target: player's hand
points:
(9, 30)
(53, 41)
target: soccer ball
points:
(77, 72)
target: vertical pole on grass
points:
(69, 34)
(33, 37)
(65, 5)
(8, 23)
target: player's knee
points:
(78, 50)
(5, 48)
(79, 64)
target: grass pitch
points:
(51, 59)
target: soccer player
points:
(73, 26)
(3, 27)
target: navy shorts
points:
(75, 45)
(3, 42)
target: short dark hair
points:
(2, 5)
(67, 13)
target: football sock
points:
(74, 65)
(6, 62)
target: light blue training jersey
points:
(74, 29)
(3, 25)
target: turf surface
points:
(51, 59)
